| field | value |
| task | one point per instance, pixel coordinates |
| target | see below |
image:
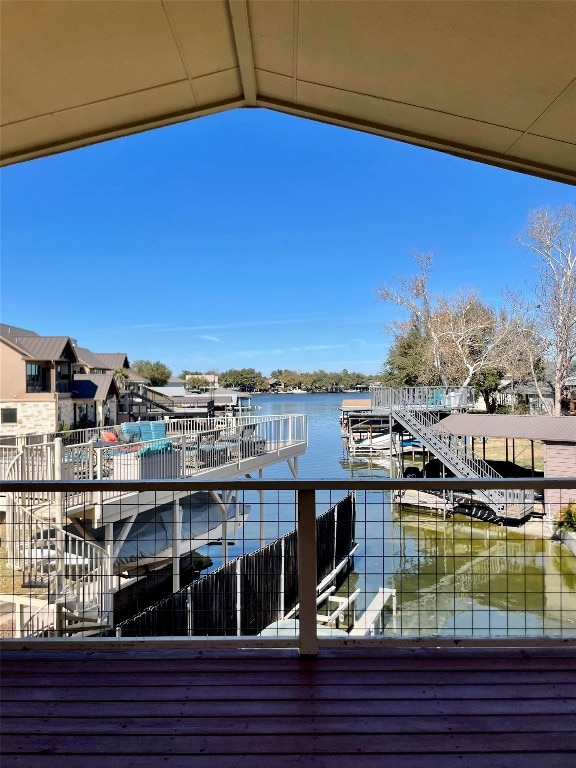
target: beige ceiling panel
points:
(485, 60)
(397, 118)
(273, 86)
(204, 34)
(272, 32)
(559, 122)
(97, 120)
(65, 54)
(554, 154)
(221, 86)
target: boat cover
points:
(151, 532)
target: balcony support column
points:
(307, 572)
(261, 509)
(176, 536)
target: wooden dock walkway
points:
(141, 707)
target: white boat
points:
(148, 540)
(150, 537)
(382, 443)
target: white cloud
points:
(210, 338)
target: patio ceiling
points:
(490, 81)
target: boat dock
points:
(399, 420)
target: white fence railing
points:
(191, 447)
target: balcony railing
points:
(427, 398)
(190, 447)
(420, 566)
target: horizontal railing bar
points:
(245, 642)
(384, 484)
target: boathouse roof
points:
(356, 405)
(549, 429)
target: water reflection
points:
(464, 577)
(453, 577)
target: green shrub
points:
(567, 517)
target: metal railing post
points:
(307, 578)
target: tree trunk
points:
(557, 398)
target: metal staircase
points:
(422, 423)
(69, 573)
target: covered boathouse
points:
(556, 433)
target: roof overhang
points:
(553, 429)
(489, 81)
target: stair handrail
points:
(429, 420)
(424, 422)
(82, 567)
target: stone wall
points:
(33, 418)
(66, 412)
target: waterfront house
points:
(48, 383)
(36, 375)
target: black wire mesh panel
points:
(247, 594)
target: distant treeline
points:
(251, 380)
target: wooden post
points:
(261, 505)
(307, 572)
(59, 500)
(238, 597)
(282, 595)
(176, 536)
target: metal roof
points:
(88, 357)
(46, 347)
(93, 386)
(11, 332)
(113, 360)
(488, 81)
(553, 429)
(356, 405)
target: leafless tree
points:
(464, 335)
(473, 336)
(551, 237)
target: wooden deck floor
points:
(185, 708)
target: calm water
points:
(451, 577)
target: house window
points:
(9, 415)
(37, 378)
(63, 377)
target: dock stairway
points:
(422, 424)
(162, 402)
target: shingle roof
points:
(554, 429)
(93, 386)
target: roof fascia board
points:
(129, 129)
(15, 347)
(465, 152)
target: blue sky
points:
(251, 239)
